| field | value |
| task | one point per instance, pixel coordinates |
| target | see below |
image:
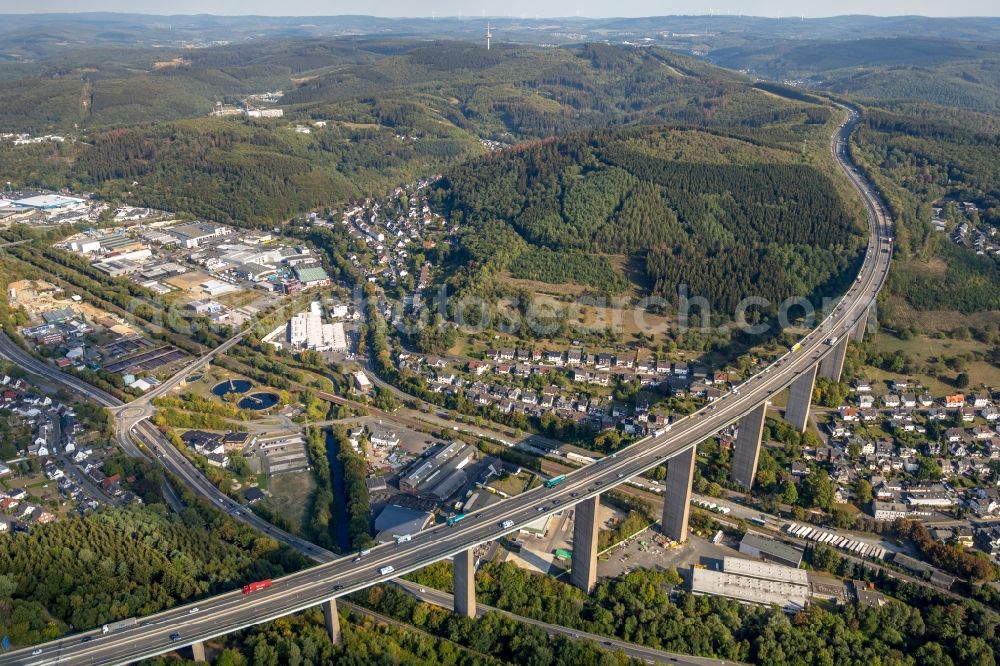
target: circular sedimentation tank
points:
(258, 401)
(223, 389)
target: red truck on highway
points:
(254, 587)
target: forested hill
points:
(99, 87)
(921, 154)
(725, 216)
(392, 111)
(517, 91)
(526, 92)
(879, 70)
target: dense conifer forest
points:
(78, 573)
(727, 229)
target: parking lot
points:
(649, 550)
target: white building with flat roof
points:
(50, 202)
(190, 235)
(361, 382)
(214, 287)
(85, 245)
(306, 330)
(339, 341)
(754, 582)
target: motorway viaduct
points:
(820, 352)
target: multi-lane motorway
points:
(232, 611)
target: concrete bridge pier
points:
(746, 450)
(198, 651)
(677, 498)
(858, 334)
(832, 366)
(332, 620)
(464, 583)
(799, 397)
(585, 531)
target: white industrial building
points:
(51, 202)
(190, 235)
(306, 330)
(214, 287)
(263, 113)
(362, 383)
(85, 245)
(753, 582)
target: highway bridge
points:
(821, 351)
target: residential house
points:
(952, 435)
(478, 368)
(982, 433)
(985, 502)
(954, 401)
(987, 539)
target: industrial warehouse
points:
(752, 582)
(307, 330)
(441, 474)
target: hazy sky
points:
(527, 8)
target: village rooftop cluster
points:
(59, 465)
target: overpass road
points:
(131, 433)
(232, 611)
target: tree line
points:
(648, 608)
(355, 498)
